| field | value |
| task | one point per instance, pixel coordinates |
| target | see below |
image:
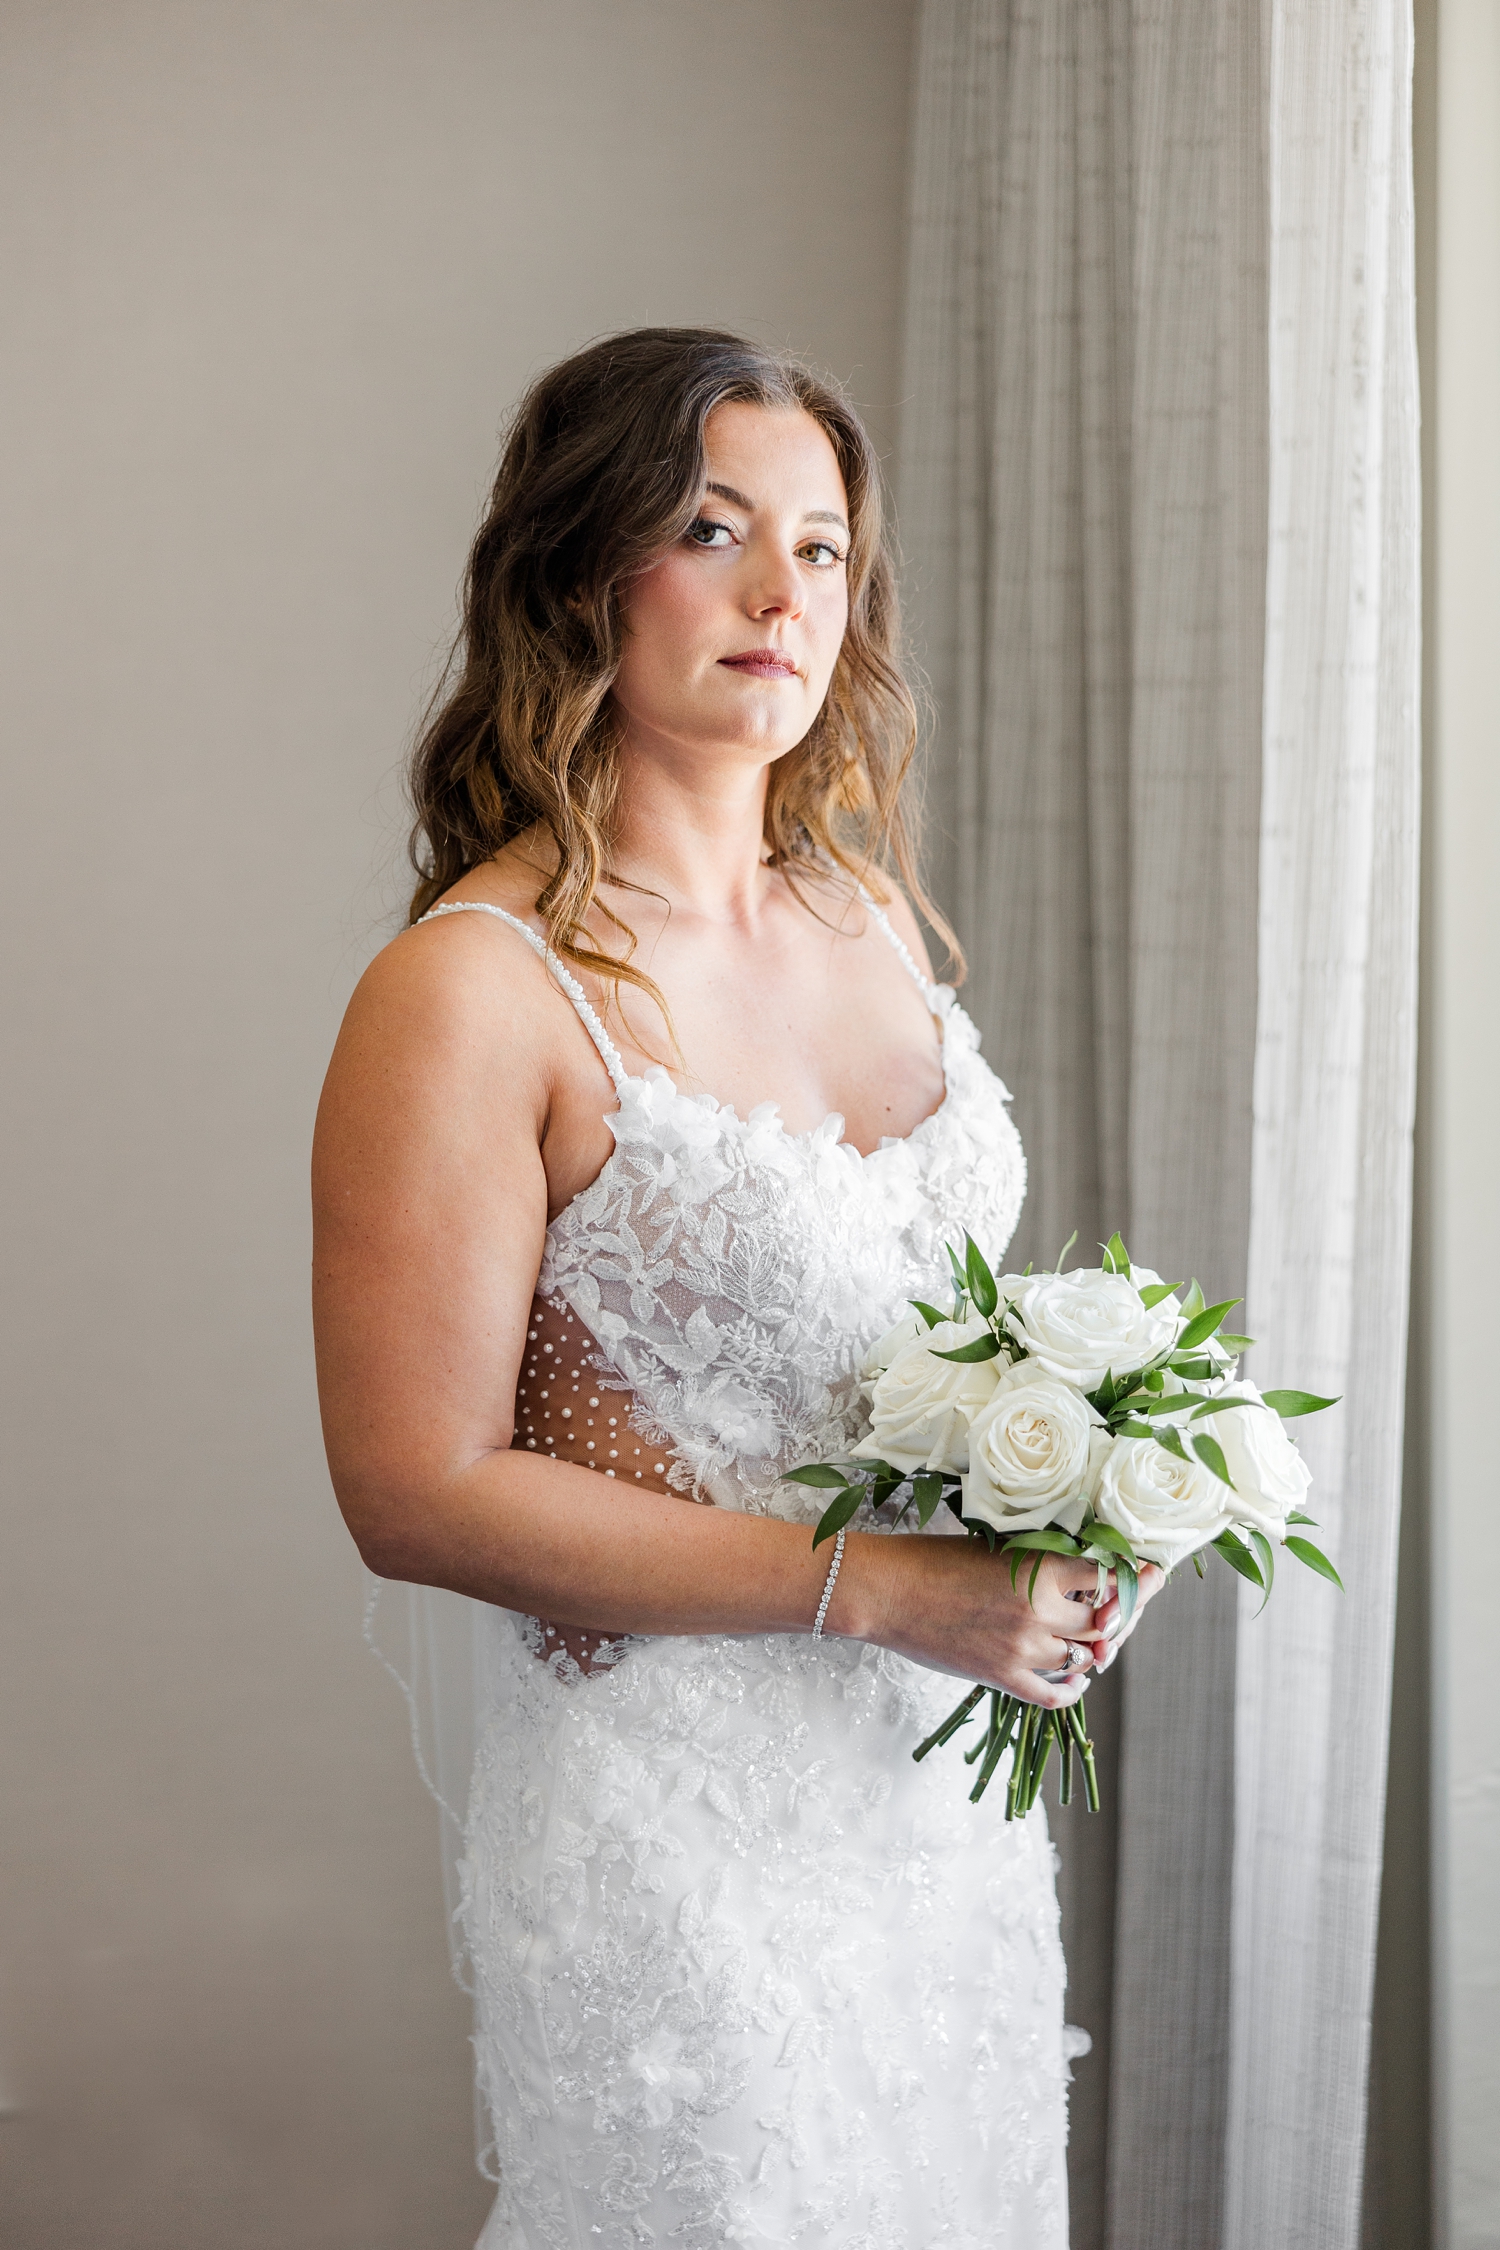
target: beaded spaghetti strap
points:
(609, 1053)
(882, 921)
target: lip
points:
(762, 663)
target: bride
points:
(630, 1149)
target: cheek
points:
(828, 614)
(668, 613)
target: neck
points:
(693, 833)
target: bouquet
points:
(1095, 1414)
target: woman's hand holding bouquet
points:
(1093, 1415)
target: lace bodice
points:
(733, 1274)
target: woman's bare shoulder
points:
(453, 1013)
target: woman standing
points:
(629, 1150)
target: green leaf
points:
(1239, 1557)
(929, 1313)
(1104, 1398)
(927, 1491)
(1045, 1541)
(1193, 1300)
(1297, 1516)
(1203, 1324)
(1127, 1588)
(1219, 1406)
(837, 1514)
(1170, 1439)
(983, 1347)
(1266, 1559)
(1198, 1561)
(1211, 1454)
(1190, 1369)
(1315, 1559)
(1105, 1535)
(1132, 1426)
(980, 1280)
(1169, 1402)
(960, 1278)
(818, 1472)
(1235, 1344)
(1025, 1270)
(1062, 1253)
(1157, 1292)
(1291, 1403)
(1116, 1257)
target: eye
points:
(821, 553)
(706, 533)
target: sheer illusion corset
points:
(566, 1412)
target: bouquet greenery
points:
(1095, 1413)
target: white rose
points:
(921, 1406)
(1032, 1453)
(1165, 1507)
(880, 1354)
(1085, 1324)
(1270, 1476)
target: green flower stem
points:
(1013, 1804)
(951, 1724)
(1080, 1734)
(978, 1749)
(998, 1737)
(1041, 1751)
(1065, 1770)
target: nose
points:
(776, 587)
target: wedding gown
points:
(743, 1972)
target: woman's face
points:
(732, 635)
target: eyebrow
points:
(739, 499)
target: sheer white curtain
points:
(1334, 1096)
(1159, 374)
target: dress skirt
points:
(744, 1972)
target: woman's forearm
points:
(584, 1551)
(552, 1540)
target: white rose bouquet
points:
(1094, 1414)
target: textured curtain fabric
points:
(1334, 1098)
(1124, 215)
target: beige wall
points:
(271, 273)
(1463, 1053)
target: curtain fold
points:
(1122, 217)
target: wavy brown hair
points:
(604, 468)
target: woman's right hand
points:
(950, 1605)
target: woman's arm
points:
(458, 1086)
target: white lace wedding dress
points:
(744, 1973)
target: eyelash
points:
(709, 523)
